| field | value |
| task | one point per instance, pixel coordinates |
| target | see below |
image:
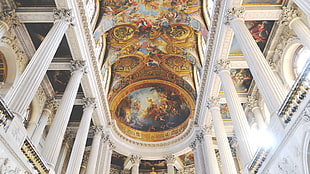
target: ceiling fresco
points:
(187, 159)
(225, 112)
(118, 159)
(260, 30)
(262, 2)
(36, 3)
(149, 164)
(242, 79)
(151, 51)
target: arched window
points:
(302, 56)
(3, 68)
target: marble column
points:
(202, 156)
(93, 156)
(62, 116)
(197, 160)
(208, 151)
(291, 17)
(64, 153)
(236, 111)
(78, 149)
(84, 164)
(252, 104)
(135, 160)
(228, 166)
(50, 106)
(304, 6)
(105, 155)
(170, 159)
(268, 83)
(21, 94)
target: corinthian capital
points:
(221, 65)
(213, 102)
(9, 17)
(252, 102)
(170, 158)
(135, 159)
(51, 104)
(77, 65)
(63, 15)
(234, 13)
(288, 14)
(89, 103)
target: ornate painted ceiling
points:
(152, 58)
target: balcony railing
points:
(290, 106)
(296, 95)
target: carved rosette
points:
(63, 15)
(77, 65)
(222, 65)
(89, 103)
(135, 159)
(213, 102)
(170, 159)
(234, 13)
(288, 14)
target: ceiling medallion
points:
(152, 110)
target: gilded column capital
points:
(288, 14)
(77, 65)
(63, 15)
(89, 103)
(213, 102)
(135, 159)
(222, 65)
(170, 158)
(234, 13)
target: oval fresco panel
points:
(149, 108)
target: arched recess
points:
(11, 68)
(288, 62)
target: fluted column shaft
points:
(228, 166)
(135, 160)
(268, 83)
(170, 159)
(208, 150)
(304, 6)
(20, 96)
(252, 104)
(239, 120)
(197, 160)
(106, 155)
(301, 30)
(77, 153)
(50, 106)
(93, 156)
(62, 116)
(3, 28)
